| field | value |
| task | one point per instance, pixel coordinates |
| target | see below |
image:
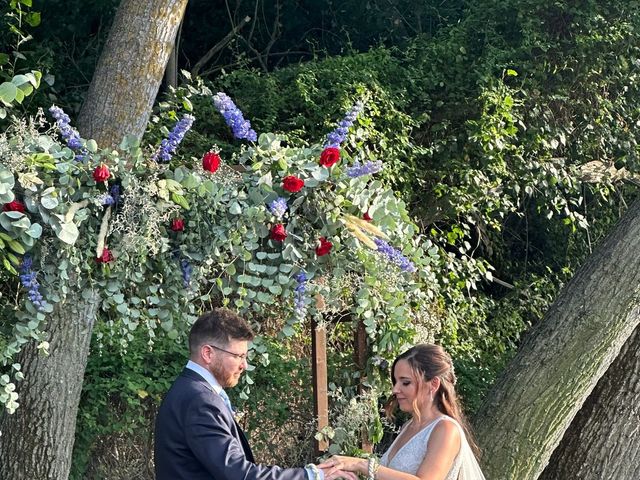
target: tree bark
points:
(130, 70)
(560, 361)
(603, 442)
(37, 440)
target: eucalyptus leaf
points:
(66, 231)
(8, 92)
(235, 208)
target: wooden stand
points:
(320, 379)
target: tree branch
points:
(218, 46)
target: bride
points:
(436, 444)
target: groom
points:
(196, 435)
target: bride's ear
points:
(434, 384)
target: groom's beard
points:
(226, 378)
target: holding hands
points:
(345, 465)
(332, 473)
(329, 472)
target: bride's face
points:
(404, 388)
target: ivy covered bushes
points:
(509, 134)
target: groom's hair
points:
(218, 327)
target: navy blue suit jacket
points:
(196, 438)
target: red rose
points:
(278, 232)
(367, 217)
(292, 183)
(177, 225)
(324, 247)
(330, 156)
(211, 162)
(14, 206)
(101, 173)
(106, 256)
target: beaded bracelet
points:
(372, 467)
(315, 470)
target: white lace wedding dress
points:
(409, 457)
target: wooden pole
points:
(360, 357)
(320, 383)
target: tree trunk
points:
(37, 440)
(171, 72)
(130, 70)
(560, 361)
(603, 442)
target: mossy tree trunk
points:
(37, 440)
(603, 442)
(560, 361)
(130, 70)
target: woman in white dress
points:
(436, 444)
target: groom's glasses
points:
(240, 356)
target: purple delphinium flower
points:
(116, 193)
(335, 138)
(106, 199)
(278, 207)
(395, 256)
(169, 144)
(300, 306)
(233, 116)
(30, 282)
(68, 133)
(368, 168)
(187, 270)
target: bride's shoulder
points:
(452, 422)
(447, 430)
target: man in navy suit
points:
(196, 435)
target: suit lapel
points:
(239, 433)
(245, 443)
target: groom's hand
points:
(333, 474)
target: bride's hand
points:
(348, 464)
(332, 474)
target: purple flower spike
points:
(169, 144)
(68, 133)
(233, 116)
(395, 256)
(30, 282)
(278, 207)
(335, 138)
(367, 168)
(300, 306)
(187, 270)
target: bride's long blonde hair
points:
(428, 361)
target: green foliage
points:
(122, 390)
(14, 87)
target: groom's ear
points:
(206, 354)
